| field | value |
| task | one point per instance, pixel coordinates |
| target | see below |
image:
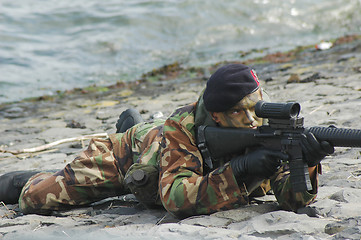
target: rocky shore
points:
(326, 83)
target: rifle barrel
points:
(338, 137)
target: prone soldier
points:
(162, 162)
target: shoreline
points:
(175, 71)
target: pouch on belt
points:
(142, 180)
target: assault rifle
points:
(283, 133)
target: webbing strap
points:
(202, 146)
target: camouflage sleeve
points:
(286, 197)
(184, 189)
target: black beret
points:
(228, 85)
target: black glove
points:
(261, 163)
(314, 151)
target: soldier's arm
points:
(184, 189)
(286, 197)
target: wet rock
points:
(349, 233)
(246, 212)
(104, 115)
(280, 223)
(75, 124)
(338, 196)
(333, 228)
(349, 228)
(207, 221)
(180, 231)
(311, 78)
(53, 134)
(346, 57)
(309, 211)
(294, 78)
(357, 69)
(14, 112)
(157, 115)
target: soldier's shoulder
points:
(182, 113)
(183, 117)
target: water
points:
(50, 45)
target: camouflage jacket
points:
(187, 188)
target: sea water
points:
(50, 45)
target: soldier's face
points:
(242, 115)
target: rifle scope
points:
(277, 110)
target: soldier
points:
(161, 164)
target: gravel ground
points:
(327, 84)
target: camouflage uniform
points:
(186, 186)
(97, 173)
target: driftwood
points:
(9, 214)
(52, 144)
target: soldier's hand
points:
(314, 151)
(261, 163)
